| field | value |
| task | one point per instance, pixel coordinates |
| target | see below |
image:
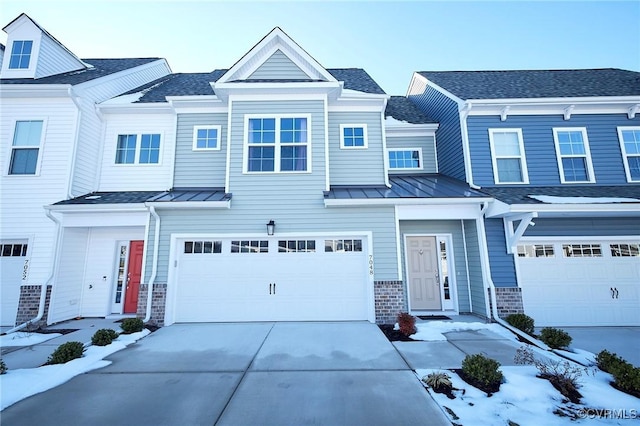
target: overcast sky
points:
(389, 40)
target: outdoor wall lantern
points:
(271, 226)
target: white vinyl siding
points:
(508, 156)
(53, 59)
(573, 154)
(629, 138)
(278, 67)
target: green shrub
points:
(521, 322)
(482, 372)
(131, 325)
(608, 362)
(66, 352)
(104, 337)
(3, 366)
(555, 338)
(626, 377)
(407, 323)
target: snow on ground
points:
(23, 338)
(433, 331)
(528, 400)
(22, 383)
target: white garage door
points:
(581, 283)
(271, 279)
(12, 264)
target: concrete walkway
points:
(243, 374)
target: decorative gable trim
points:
(261, 52)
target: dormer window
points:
(20, 54)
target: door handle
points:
(615, 289)
(274, 288)
(614, 292)
(270, 288)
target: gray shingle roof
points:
(403, 109)
(101, 68)
(537, 83)
(519, 195)
(408, 186)
(125, 197)
(198, 84)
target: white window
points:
(25, 148)
(250, 246)
(20, 54)
(353, 136)
(277, 144)
(296, 246)
(507, 156)
(582, 250)
(138, 149)
(535, 250)
(405, 159)
(629, 138)
(206, 138)
(341, 246)
(205, 247)
(625, 250)
(574, 157)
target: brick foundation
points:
(158, 303)
(389, 300)
(508, 301)
(28, 305)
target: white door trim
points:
(453, 285)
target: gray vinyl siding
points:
(292, 212)
(539, 146)
(478, 292)
(453, 227)
(278, 67)
(428, 152)
(591, 227)
(356, 166)
(448, 136)
(53, 59)
(199, 168)
(503, 272)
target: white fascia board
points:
(319, 86)
(97, 208)
(429, 83)
(159, 205)
(403, 201)
(565, 210)
(34, 90)
(100, 219)
(411, 130)
(116, 75)
(198, 104)
(373, 103)
(135, 108)
(533, 106)
(439, 212)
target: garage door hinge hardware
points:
(614, 292)
(272, 288)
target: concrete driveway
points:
(243, 374)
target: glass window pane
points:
(509, 170)
(506, 144)
(575, 169)
(24, 161)
(634, 167)
(28, 133)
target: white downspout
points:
(76, 141)
(464, 113)
(484, 260)
(43, 291)
(154, 264)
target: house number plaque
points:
(370, 264)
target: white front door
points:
(271, 279)
(580, 283)
(13, 268)
(422, 273)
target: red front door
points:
(133, 277)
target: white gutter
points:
(385, 157)
(74, 150)
(350, 202)
(464, 113)
(486, 272)
(43, 291)
(154, 265)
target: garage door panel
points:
(307, 284)
(565, 291)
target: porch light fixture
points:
(271, 226)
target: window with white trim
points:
(25, 148)
(405, 159)
(138, 149)
(204, 247)
(341, 245)
(536, 250)
(250, 246)
(629, 138)
(507, 156)
(206, 138)
(296, 246)
(574, 157)
(353, 136)
(277, 144)
(20, 54)
(582, 250)
(625, 250)
(13, 250)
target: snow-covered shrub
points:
(66, 352)
(626, 376)
(3, 366)
(407, 323)
(131, 325)
(104, 337)
(555, 338)
(522, 322)
(482, 372)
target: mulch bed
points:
(490, 390)
(55, 330)
(394, 335)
